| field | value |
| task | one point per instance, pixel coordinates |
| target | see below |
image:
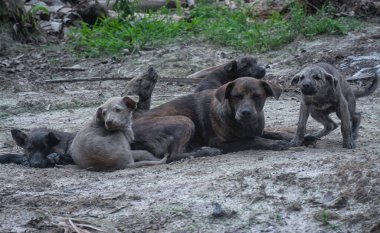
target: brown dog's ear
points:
(99, 115)
(224, 92)
(331, 79)
(231, 66)
(52, 139)
(19, 137)
(271, 89)
(131, 101)
(295, 79)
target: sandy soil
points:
(322, 189)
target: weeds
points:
(218, 24)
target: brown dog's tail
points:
(371, 88)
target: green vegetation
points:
(239, 29)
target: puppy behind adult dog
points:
(214, 77)
(104, 142)
(229, 118)
(42, 148)
(325, 90)
(142, 86)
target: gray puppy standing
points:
(325, 90)
(104, 142)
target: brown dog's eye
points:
(117, 110)
(317, 78)
(238, 96)
(104, 113)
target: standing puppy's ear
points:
(52, 139)
(19, 137)
(271, 89)
(295, 79)
(99, 115)
(331, 79)
(231, 66)
(224, 92)
(131, 101)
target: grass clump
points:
(239, 29)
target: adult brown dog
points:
(230, 118)
(214, 77)
(104, 142)
(325, 90)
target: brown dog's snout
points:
(246, 112)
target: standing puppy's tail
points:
(371, 88)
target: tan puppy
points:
(104, 142)
(325, 90)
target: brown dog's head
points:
(246, 97)
(37, 145)
(116, 113)
(311, 80)
(142, 85)
(245, 66)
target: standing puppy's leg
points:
(328, 124)
(346, 128)
(356, 118)
(301, 129)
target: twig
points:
(94, 79)
(117, 209)
(89, 226)
(76, 229)
(72, 68)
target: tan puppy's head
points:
(116, 113)
(314, 79)
(246, 97)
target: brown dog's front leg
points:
(258, 143)
(143, 155)
(301, 129)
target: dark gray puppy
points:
(325, 90)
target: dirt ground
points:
(322, 189)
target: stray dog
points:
(217, 76)
(325, 90)
(229, 118)
(42, 147)
(104, 142)
(142, 86)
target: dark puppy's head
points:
(37, 145)
(142, 85)
(116, 113)
(246, 97)
(245, 66)
(311, 80)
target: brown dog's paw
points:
(349, 144)
(310, 140)
(280, 145)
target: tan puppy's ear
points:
(99, 115)
(295, 80)
(331, 79)
(224, 92)
(231, 66)
(131, 101)
(271, 89)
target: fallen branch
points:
(95, 79)
(72, 68)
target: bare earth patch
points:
(322, 189)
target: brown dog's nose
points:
(246, 113)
